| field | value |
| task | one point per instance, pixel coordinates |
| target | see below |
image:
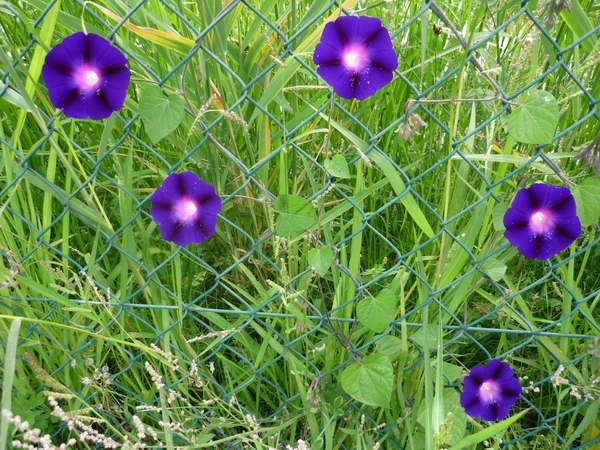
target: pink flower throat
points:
(541, 221)
(488, 390)
(185, 209)
(354, 59)
(87, 77)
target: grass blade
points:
(487, 433)
(9, 375)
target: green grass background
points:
(99, 292)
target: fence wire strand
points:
(150, 292)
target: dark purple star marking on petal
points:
(542, 221)
(490, 391)
(86, 76)
(355, 56)
(185, 209)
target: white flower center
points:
(352, 59)
(487, 391)
(539, 219)
(186, 209)
(90, 78)
(189, 208)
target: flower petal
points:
(516, 219)
(347, 28)
(195, 188)
(62, 88)
(69, 54)
(470, 399)
(476, 409)
(368, 29)
(194, 226)
(331, 36)
(100, 106)
(86, 104)
(355, 56)
(168, 193)
(117, 79)
(67, 70)
(210, 205)
(478, 374)
(563, 205)
(494, 411)
(381, 51)
(523, 202)
(497, 370)
(325, 54)
(340, 79)
(511, 389)
(161, 212)
(471, 384)
(530, 245)
(370, 80)
(103, 55)
(558, 239)
(563, 226)
(112, 98)
(171, 230)
(190, 232)
(56, 78)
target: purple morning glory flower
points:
(185, 209)
(490, 391)
(86, 76)
(542, 221)
(355, 56)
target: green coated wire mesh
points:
(254, 108)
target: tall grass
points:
(237, 343)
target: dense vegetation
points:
(354, 235)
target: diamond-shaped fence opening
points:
(125, 324)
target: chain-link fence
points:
(260, 123)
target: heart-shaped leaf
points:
(320, 259)
(370, 382)
(534, 122)
(161, 114)
(296, 214)
(376, 313)
(337, 166)
(587, 198)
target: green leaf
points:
(337, 166)
(459, 422)
(10, 357)
(376, 313)
(451, 402)
(578, 21)
(171, 41)
(498, 216)
(161, 114)
(589, 417)
(389, 346)
(384, 163)
(12, 96)
(370, 382)
(320, 259)
(494, 269)
(587, 198)
(452, 371)
(432, 332)
(535, 121)
(488, 432)
(296, 214)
